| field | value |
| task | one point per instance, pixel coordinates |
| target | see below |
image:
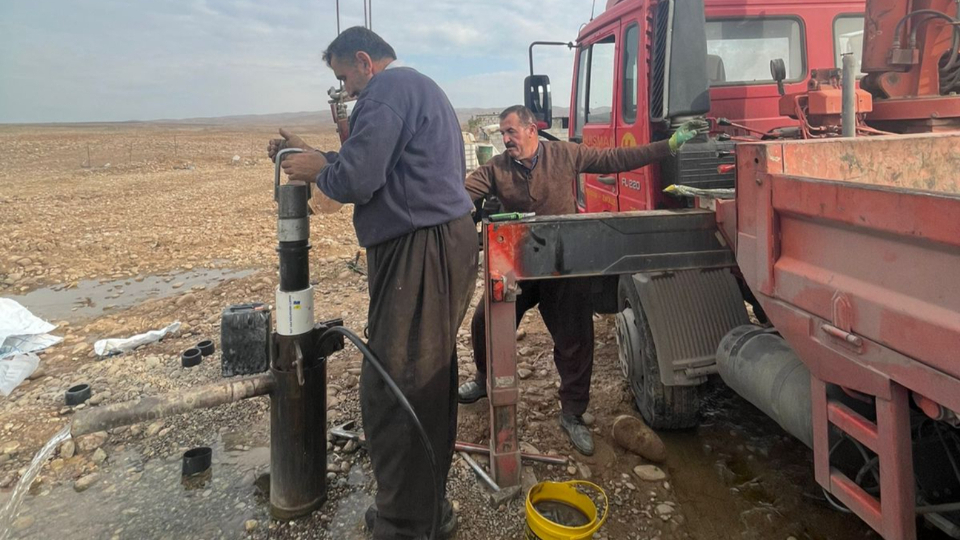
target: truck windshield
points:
(739, 51)
(848, 38)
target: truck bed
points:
(852, 247)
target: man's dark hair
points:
(356, 39)
(523, 114)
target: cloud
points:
(109, 60)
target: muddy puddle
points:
(739, 475)
(91, 298)
(138, 498)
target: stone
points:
(85, 482)
(92, 441)
(585, 472)
(68, 449)
(154, 428)
(23, 522)
(7, 481)
(649, 473)
(351, 381)
(9, 447)
(571, 470)
(186, 299)
(664, 510)
(99, 456)
(524, 373)
(632, 434)
(351, 447)
(250, 525)
(588, 419)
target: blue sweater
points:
(403, 163)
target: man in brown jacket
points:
(538, 176)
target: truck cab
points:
(637, 73)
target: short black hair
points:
(524, 114)
(356, 39)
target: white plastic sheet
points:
(108, 347)
(15, 369)
(22, 331)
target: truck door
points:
(635, 187)
(595, 118)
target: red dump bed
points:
(853, 248)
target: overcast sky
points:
(112, 60)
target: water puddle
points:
(91, 298)
(138, 498)
(740, 476)
(12, 507)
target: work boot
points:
(471, 392)
(578, 432)
(446, 528)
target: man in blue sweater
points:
(403, 168)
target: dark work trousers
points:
(567, 310)
(420, 288)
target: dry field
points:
(175, 207)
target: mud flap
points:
(689, 312)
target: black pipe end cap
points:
(78, 394)
(206, 347)
(190, 357)
(197, 460)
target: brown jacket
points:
(548, 189)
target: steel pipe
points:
(157, 407)
(849, 96)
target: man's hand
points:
(303, 167)
(687, 131)
(289, 140)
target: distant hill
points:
(312, 119)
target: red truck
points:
(847, 249)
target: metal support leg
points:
(500, 293)
(893, 515)
(897, 496)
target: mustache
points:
(511, 146)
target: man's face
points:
(521, 141)
(355, 73)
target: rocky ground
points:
(178, 200)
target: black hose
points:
(405, 405)
(931, 14)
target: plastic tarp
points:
(22, 331)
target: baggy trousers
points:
(567, 310)
(420, 288)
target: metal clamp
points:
(278, 159)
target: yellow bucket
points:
(567, 496)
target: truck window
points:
(629, 94)
(739, 51)
(600, 82)
(581, 113)
(848, 39)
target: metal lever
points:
(607, 180)
(278, 159)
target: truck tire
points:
(663, 407)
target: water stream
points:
(10, 510)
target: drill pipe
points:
(156, 407)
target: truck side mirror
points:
(778, 71)
(536, 97)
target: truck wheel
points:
(663, 407)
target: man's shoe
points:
(471, 392)
(578, 432)
(448, 519)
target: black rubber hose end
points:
(190, 357)
(78, 394)
(197, 460)
(206, 347)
